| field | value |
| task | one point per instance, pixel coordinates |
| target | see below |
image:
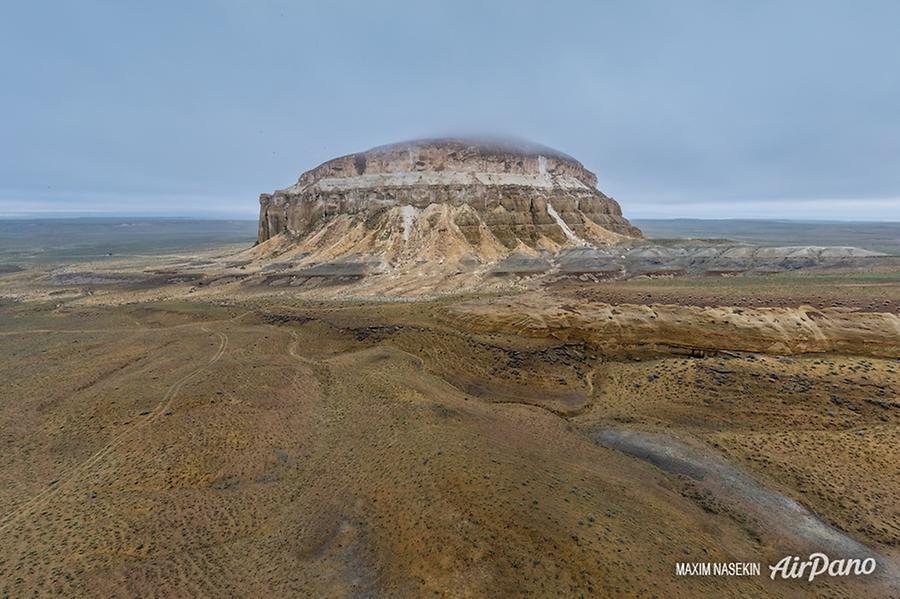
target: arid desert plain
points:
(173, 429)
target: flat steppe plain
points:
(252, 443)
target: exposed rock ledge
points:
(625, 327)
(495, 196)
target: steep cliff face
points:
(487, 198)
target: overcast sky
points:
(699, 109)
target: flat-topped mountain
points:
(442, 199)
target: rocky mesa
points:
(442, 198)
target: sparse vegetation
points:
(248, 441)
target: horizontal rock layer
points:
(532, 195)
(664, 328)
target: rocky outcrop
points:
(483, 195)
(692, 258)
(668, 328)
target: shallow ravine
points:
(788, 521)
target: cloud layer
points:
(682, 109)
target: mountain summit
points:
(442, 199)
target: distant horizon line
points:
(247, 218)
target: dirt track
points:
(334, 449)
(68, 477)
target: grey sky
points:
(716, 109)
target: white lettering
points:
(717, 569)
(781, 567)
(817, 564)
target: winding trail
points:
(66, 477)
(123, 330)
(320, 369)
